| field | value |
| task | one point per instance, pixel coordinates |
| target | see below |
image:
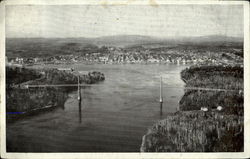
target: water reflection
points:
(80, 106)
(160, 108)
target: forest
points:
(22, 101)
(193, 129)
(229, 78)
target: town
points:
(161, 55)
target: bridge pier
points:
(79, 100)
(161, 98)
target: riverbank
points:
(22, 101)
(115, 114)
(219, 129)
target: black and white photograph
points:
(125, 77)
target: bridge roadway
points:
(95, 85)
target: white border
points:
(245, 154)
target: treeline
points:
(17, 75)
(224, 77)
(55, 76)
(216, 77)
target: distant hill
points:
(33, 47)
(124, 40)
(130, 40)
(213, 39)
(46, 47)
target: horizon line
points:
(158, 37)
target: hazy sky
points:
(94, 21)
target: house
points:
(66, 69)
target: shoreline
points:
(34, 100)
(200, 115)
(164, 140)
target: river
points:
(115, 114)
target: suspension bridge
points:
(79, 86)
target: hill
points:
(46, 47)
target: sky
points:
(64, 21)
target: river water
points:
(114, 115)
